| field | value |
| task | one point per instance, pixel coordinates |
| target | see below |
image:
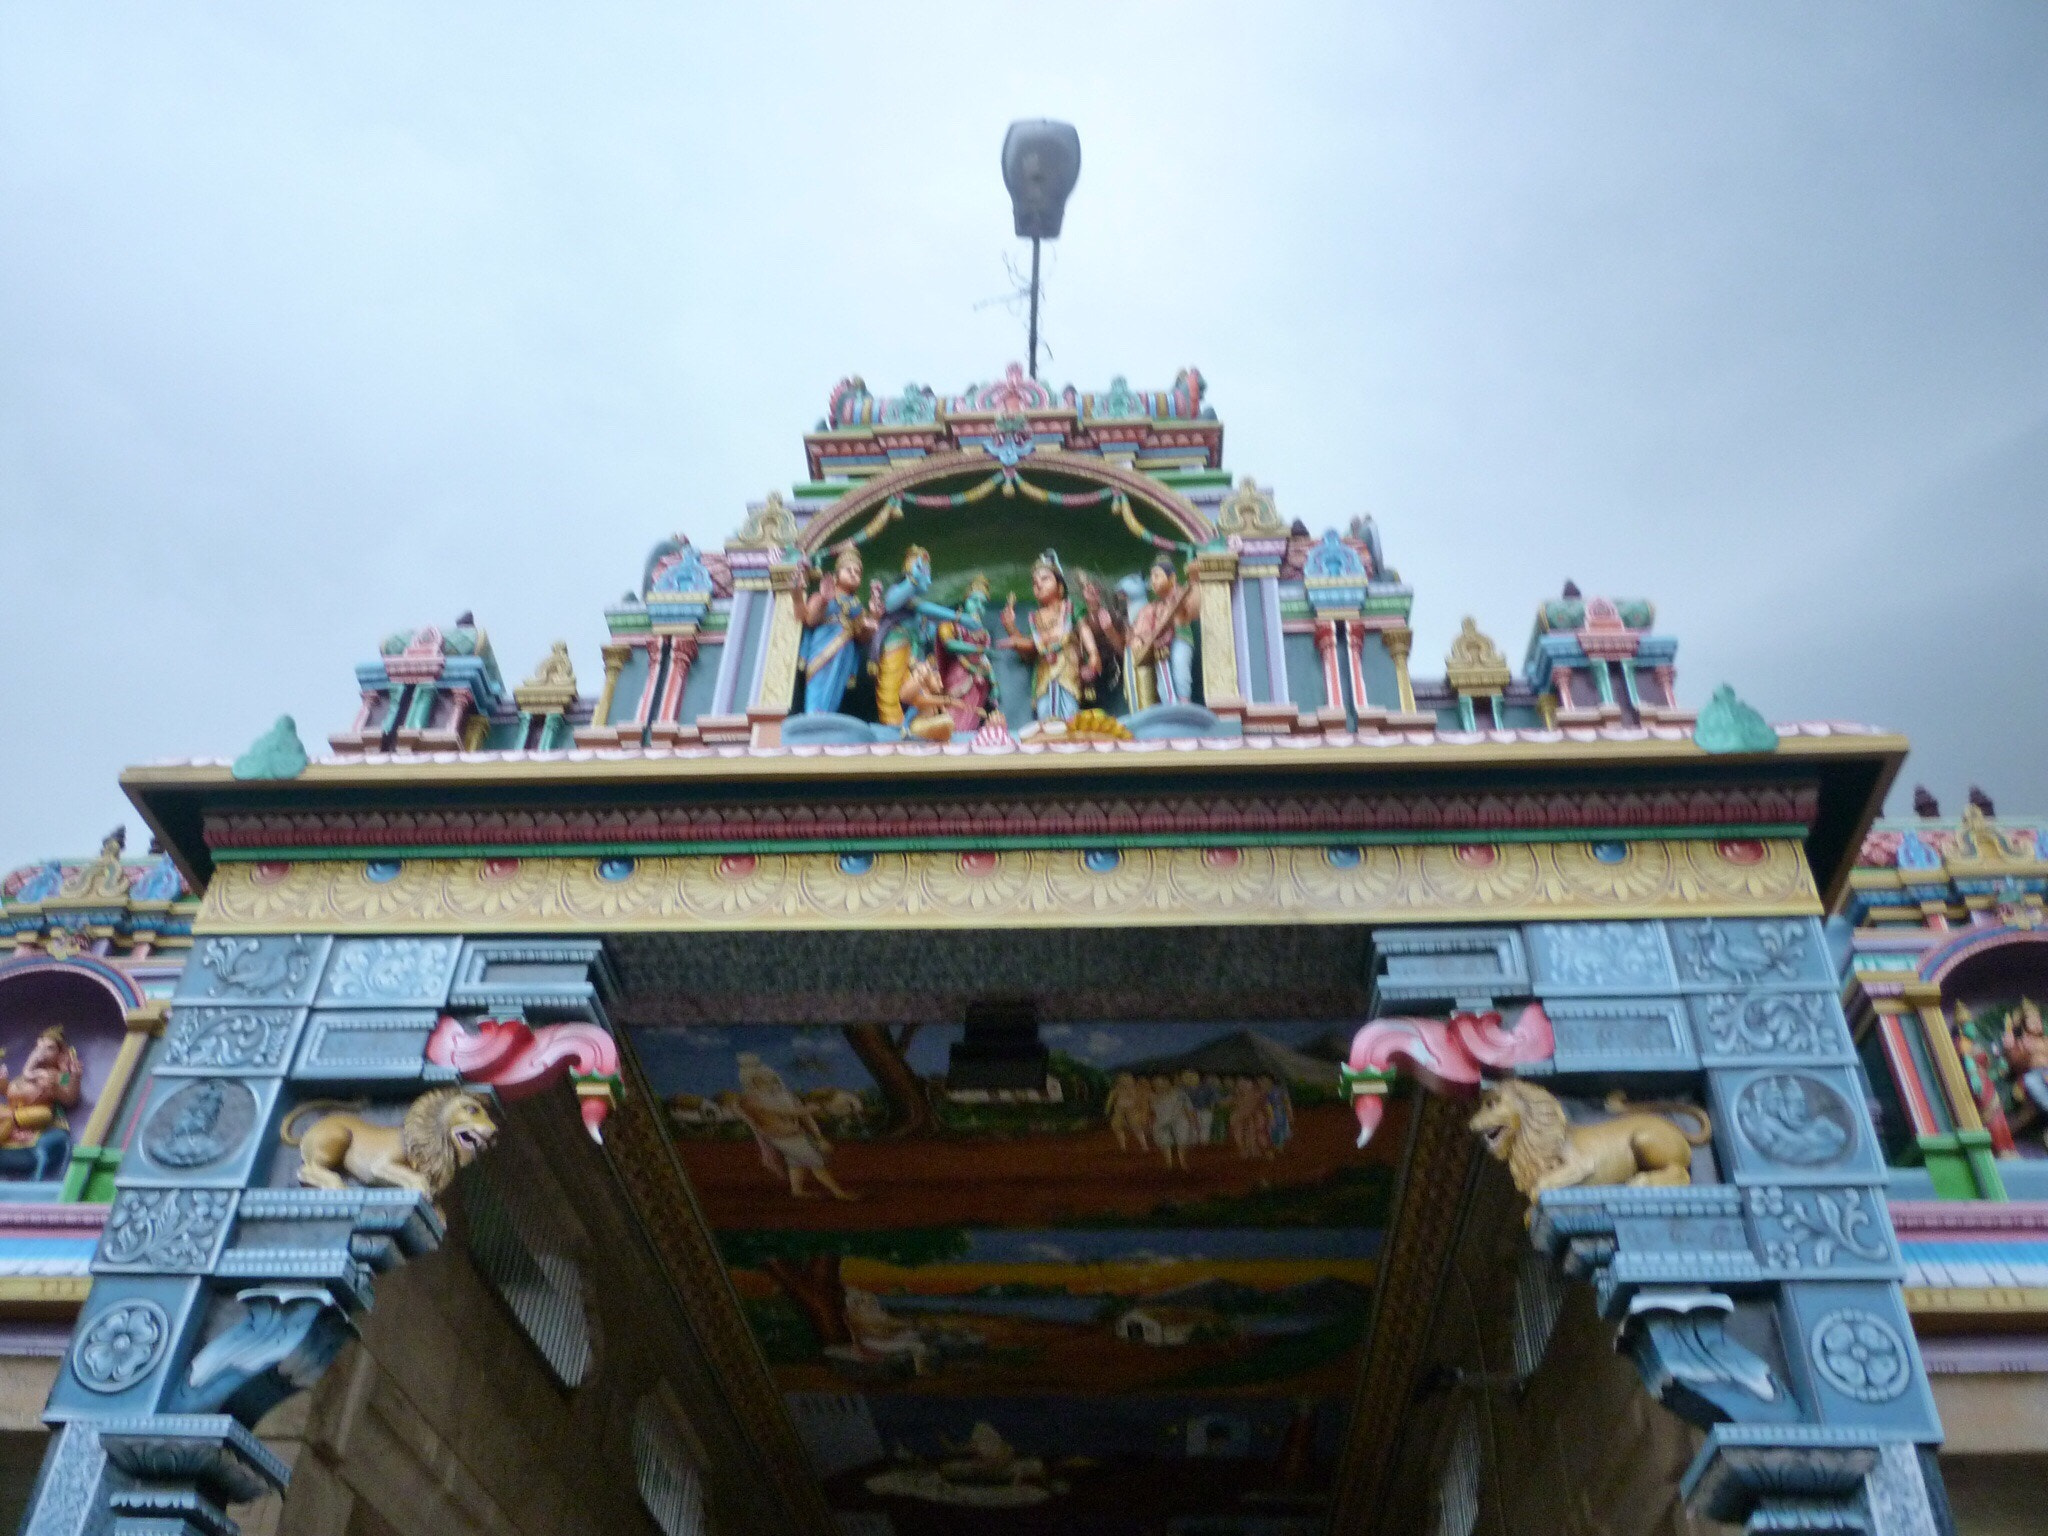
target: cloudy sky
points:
(318, 321)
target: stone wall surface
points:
(1579, 1447)
(443, 1417)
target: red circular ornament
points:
(270, 871)
(1222, 858)
(979, 861)
(1478, 855)
(1741, 850)
(500, 869)
(737, 866)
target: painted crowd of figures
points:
(931, 664)
(1171, 1113)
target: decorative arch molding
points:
(1942, 963)
(125, 992)
(843, 516)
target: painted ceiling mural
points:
(1036, 1278)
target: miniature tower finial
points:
(1571, 588)
(1982, 801)
(1925, 805)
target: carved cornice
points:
(840, 517)
(1045, 888)
(756, 826)
(652, 1175)
(1441, 1153)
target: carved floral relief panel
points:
(1722, 952)
(281, 968)
(1598, 957)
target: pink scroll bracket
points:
(519, 1060)
(1446, 1056)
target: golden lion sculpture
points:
(1525, 1127)
(442, 1133)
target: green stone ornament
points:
(1729, 725)
(276, 754)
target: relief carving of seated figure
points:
(51, 1082)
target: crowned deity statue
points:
(836, 619)
(1062, 652)
(964, 644)
(2026, 1051)
(1162, 666)
(905, 630)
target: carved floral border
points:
(1043, 888)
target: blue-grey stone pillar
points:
(221, 1284)
(1761, 1301)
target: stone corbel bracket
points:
(1761, 1304)
(221, 1286)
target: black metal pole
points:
(1034, 307)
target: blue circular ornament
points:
(614, 870)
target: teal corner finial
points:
(276, 754)
(1729, 725)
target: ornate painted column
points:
(1216, 575)
(778, 665)
(238, 1250)
(1749, 1263)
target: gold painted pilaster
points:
(1925, 998)
(1216, 570)
(778, 665)
(1399, 641)
(614, 663)
(145, 1023)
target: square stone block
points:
(1853, 1355)
(1766, 1025)
(361, 1045)
(1794, 1124)
(389, 973)
(1595, 959)
(203, 1040)
(544, 978)
(1620, 1035)
(165, 1231)
(279, 968)
(127, 1348)
(209, 1132)
(1720, 953)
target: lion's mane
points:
(1540, 1130)
(425, 1138)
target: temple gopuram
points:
(1005, 1000)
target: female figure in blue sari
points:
(836, 619)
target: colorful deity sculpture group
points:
(1111, 651)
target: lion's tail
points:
(1702, 1130)
(289, 1132)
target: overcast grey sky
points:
(317, 321)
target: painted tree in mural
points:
(807, 1265)
(884, 1052)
